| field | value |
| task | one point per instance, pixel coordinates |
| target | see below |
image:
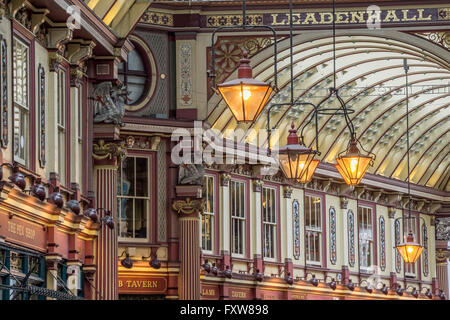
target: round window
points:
(136, 75)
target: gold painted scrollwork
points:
(188, 206)
(109, 150)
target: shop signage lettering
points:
(351, 16)
(239, 294)
(210, 292)
(23, 232)
(150, 285)
(354, 17)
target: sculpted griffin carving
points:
(109, 104)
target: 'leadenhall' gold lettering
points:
(341, 17)
(421, 17)
(322, 17)
(391, 16)
(310, 18)
(357, 15)
(405, 16)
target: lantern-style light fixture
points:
(410, 250)
(353, 164)
(295, 158)
(245, 96)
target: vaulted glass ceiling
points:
(371, 80)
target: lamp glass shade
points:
(295, 158)
(246, 97)
(353, 165)
(308, 173)
(410, 250)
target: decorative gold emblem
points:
(188, 206)
(104, 150)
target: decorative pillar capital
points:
(391, 212)
(224, 179)
(257, 185)
(188, 206)
(344, 203)
(52, 260)
(109, 151)
(287, 192)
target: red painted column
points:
(189, 285)
(106, 246)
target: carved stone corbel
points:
(420, 205)
(287, 192)
(405, 201)
(344, 203)
(257, 185)
(224, 179)
(377, 195)
(432, 207)
(359, 191)
(326, 185)
(15, 6)
(154, 142)
(2, 9)
(37, 19)
(78, 52)
(345, 189)
(58, 38)
(391, 212)
(394, 199)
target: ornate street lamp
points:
(245, 96)
(409, 249)
(295, 158)
(353, 164)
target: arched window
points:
(135, 75)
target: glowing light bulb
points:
(247, 93)
(353, 165)
(301, 165)
(410, 249)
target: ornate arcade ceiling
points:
(371, 80)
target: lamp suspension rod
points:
(291, 51)
(406, 67)
(334, 44)
(244, 14)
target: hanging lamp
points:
(409, 249)
(351, 163)
(295, 158)
(245, 96)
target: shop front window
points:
(133, 199)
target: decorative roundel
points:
(139, 75)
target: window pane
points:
(126, 218)
(135, 62)
(140, 221)
(136, 86)
(141, 177)
(20, 73)
(206, 232)
(128, 177)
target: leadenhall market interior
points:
(322, 129)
